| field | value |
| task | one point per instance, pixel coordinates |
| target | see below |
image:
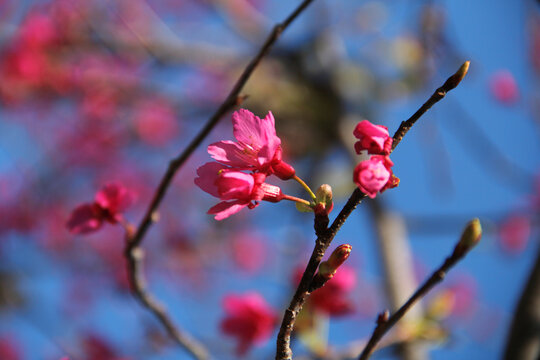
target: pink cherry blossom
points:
(249, 318)
(375, 175)
(245, 190)
(110, 202)
(257, 148)
(373, 138)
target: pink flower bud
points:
(373, 138)
(373, 175)
(329, 267)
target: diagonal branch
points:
(469, 239)
(133, 251)
(325, 236)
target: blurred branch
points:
(326, 235)
(133, 252)
(524, 338)
(385, 322)
(138, 283)
(397, 263)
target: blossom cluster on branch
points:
(374, 175)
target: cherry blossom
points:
(245, 190)
(110, 202)
(249, 318)
(373, 138)
(375, 175)
(257, 148)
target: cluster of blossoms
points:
(109, 204)
(374, 175)
(257, 150)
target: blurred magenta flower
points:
(257, 148)
(333, 297)
(373, 138)
(503, 87)
(514, 233)
(375, 175)
(249, 318)
(228, 184)
(155, 121)
(110, 201)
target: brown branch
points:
(524, 337)
(138, 286)
(469, 239)
(325, 237)
(230, 102)
(133, 252)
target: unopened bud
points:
(329, 267)
(455, 79)
(323, 196)
(470, 237)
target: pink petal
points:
(235, 185)
(208, 174)
(254, 132)
(86, 218)
(231, 153)
(225, 209)
(114, 197)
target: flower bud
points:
(470, 237)
(323, 199)
(329, 267)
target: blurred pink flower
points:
(110, 201)
(227, 184)
(155, 121)
(375, 175)
(514, 233)
(373, 138)
(249, 318)
(96, 348)
(249, 251)
(332, 298)
(503, 87)
(257, 148)
(9, 350)
(38, 30)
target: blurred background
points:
(94, 92)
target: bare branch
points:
(325, 237)
(468, 240)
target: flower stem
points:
(294, 198)
(305, 186)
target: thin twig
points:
(325, 237)
(386, 322)
(133, 252)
